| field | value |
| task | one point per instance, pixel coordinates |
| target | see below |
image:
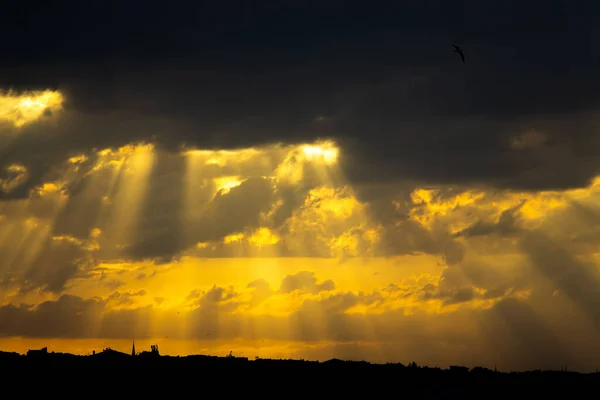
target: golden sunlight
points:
(22, 109)
(131, 168)
(270, 248)
(327, 152)
(459, 209)
(225, 183)
(17, 175)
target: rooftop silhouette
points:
(418, 381)
(111, 358)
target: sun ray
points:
(229, 283)
(130, 182)
(27, 235)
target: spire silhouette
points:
(133, 348)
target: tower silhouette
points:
(133, 348)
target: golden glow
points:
(225, 183)
(78, 159)
(432, 206)
(116, 157)
(132, 167)
(48, 187)
(325, 152)
(320, 156)
(223, 157)
(25, 108)
(95, 233)
(311, 269)
(263, 236)
(461, 210)
(126, 150)
(334, 203)
(17, 176)
(226, 272)
(235, 238)
(333, 223)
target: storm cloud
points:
(389, 90)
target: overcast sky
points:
(382, 78)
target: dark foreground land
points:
(342, 377)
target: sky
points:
(310, 180)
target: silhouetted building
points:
(110, 353)
(152, 353)
(133, 349)
(42, 352)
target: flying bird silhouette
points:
(460, 52)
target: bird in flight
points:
(460, 52)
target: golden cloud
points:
(17, 175)
(273, 244)
(24, 108)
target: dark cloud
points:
(577, 280)
(161, 234)
(305, 281)
(495, 278)
(125, 298)
(69, 317)
(506, 225)
(406, 236)
(526, 332)
(32, 260)
(383, 81)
